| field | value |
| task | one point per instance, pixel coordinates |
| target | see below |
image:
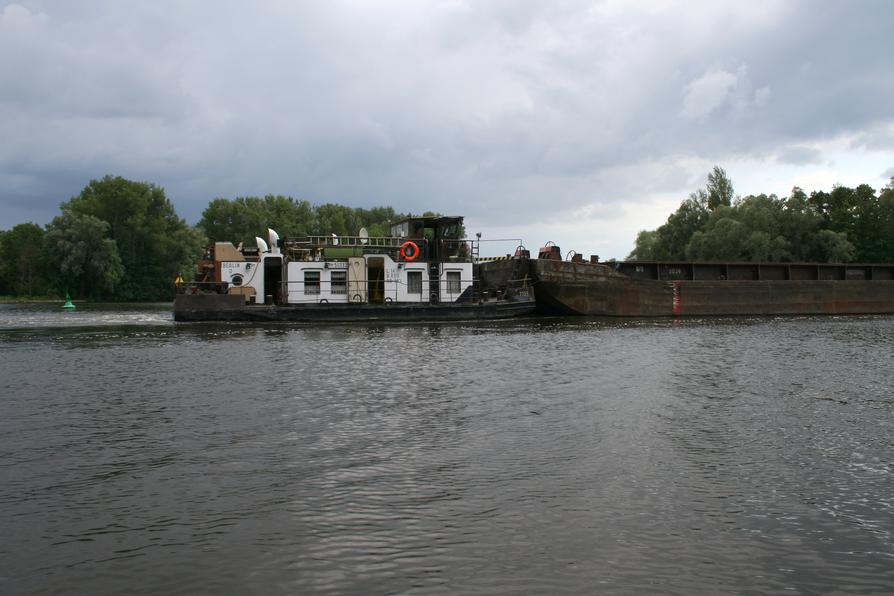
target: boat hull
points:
(596, 289)
(223, 307)
(700, 298)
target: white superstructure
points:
(425, 260)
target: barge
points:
(574, 286)
(423, 271)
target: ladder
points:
(434, 282)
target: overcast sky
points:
(577, 122)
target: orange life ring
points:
(409, 256)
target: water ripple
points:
(555, 456)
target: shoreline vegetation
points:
(122, 241)
(845, 225)
(80, 301)
(32, 300)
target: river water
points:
(724, 456)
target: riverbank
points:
(23, 300)
(78, 301)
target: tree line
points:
(121, 240)
(840, 226)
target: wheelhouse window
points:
(414, 282)
(311, 282)
(339, 282)
(454, 284)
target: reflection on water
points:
(702, 456)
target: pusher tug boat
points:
(423, 271)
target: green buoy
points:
(69, 305)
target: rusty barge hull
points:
(641, 289)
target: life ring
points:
(409, 255)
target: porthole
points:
(236, 280)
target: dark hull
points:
(699, 298)
(568, 288)
(222, 307)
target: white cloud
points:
(707, 93)
(17, 18)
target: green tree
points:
(723, 241)
(763, 246)
(867, 226)
(154, 244)
(670, 241)
(762, 216)
(223, 220)
(335, 219)
(885, 247)
(244, 218)
(645, 246)
(672, 238)
(765, 228)
(860, 215)
(23, 270)
(378, 220)
(287, 216)
(832, 247)
(838, 226)
(798, 222)
(719, 191)
(82, 256)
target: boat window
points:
(311, 282)
(453, 282)
(339, 282)
(236, 280)
(414, 282)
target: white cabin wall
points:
(465, 271)
(295, 282)
(402, 289)
(395, 285)
(252, 275)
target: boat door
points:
(375, 271)
(356, 279)
(273, 280)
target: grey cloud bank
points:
(508, 112)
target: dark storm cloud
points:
(500, 110)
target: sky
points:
(575, 122)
